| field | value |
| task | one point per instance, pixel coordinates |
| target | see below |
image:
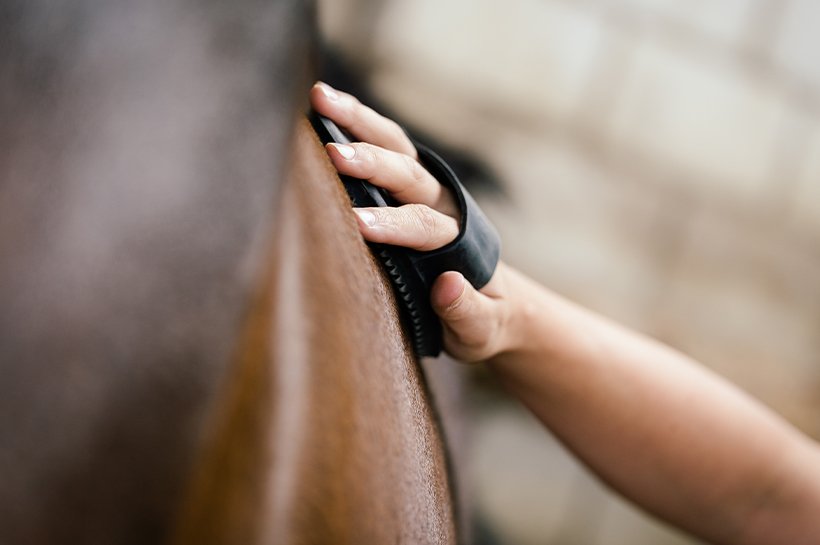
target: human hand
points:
(476, 323)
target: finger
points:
(468, 315)
(456, 300)
(414, 226)
(447, 292)
(362, 122)
(400, 174)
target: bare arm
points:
(657, 427)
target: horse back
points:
(328, 426)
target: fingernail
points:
(348, 152)
(367, 217)
(328, 91)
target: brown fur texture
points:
(153, 385)
(327, 435)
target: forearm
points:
(659, 428)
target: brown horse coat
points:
(328, 435)
(154, 384)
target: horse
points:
(196, 346)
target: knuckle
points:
(354, 104)
(461, 309)
(396, 130)
(366, 153)
(457, 311)
(392, 218)
(414, 169)
(426, 220)
(400, 138)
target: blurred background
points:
(659, 162)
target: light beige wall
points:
(663, 161)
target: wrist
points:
(537, 326)
(518, 312)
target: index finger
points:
(362, 122)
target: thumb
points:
(470, 318)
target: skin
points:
(656, 426)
